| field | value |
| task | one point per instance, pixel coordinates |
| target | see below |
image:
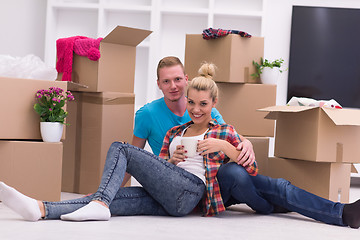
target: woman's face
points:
(199, 105)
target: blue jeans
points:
(166, 189)
(263, 194)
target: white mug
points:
(190, 145)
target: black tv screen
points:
(324, 58)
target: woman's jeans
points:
(166, 189)
(263, 194)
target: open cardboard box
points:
(96, 120)
(316, 134)
(232, 54)
(115, 70)
(18, 118)
(238, 104)
(327, 180)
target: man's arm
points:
(137, 142)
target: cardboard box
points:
(261, 149)
(232, 54)
(238, 104)
(33, 168)
(19, 119)
(97, 120)
(327, 180)
(316, 134)
(115, 70)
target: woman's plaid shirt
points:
(212, 203)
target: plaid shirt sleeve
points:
(164, 152)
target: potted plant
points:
(268, 71)
(49, 106)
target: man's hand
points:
(247, 155)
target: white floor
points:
(238, 223)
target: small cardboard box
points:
(261, 149)
(238, 104)
(232, 54)
(18, 118)
(327, 180)
(99, 119)
(316, 134)
(33, 168)
(115, 70)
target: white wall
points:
(22, 24)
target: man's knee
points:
(232, 173)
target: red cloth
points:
(82, 46)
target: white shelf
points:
(169, 20)
(75, 5)
(118, 8)
(184, 11)
(247, 14)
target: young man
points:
(154, 119)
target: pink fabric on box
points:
(88, 47)
(82, 46)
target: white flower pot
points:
(51, 131)
(269, 75)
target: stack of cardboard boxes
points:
(240, 95)
(103, 111)
(26, 162)
(314, 148)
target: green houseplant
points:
(49, 105)
(268, 70)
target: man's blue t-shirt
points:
(154, 119)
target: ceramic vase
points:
(269, 75)
(51, 131)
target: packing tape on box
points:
(339, 152)
(109, 100)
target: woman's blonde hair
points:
(204, 81)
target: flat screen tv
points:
(324, 58)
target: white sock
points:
(27, 207)
(92, 211)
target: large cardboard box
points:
(327, 180)
(97, 120)
(115, 70)
(238, 104)
(33, 168)
(316, 134)
(18, 118)
(232, 54)
(261, 149)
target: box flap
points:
(126, 36)
(344, 117)
(353, 169)
(274, 110)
